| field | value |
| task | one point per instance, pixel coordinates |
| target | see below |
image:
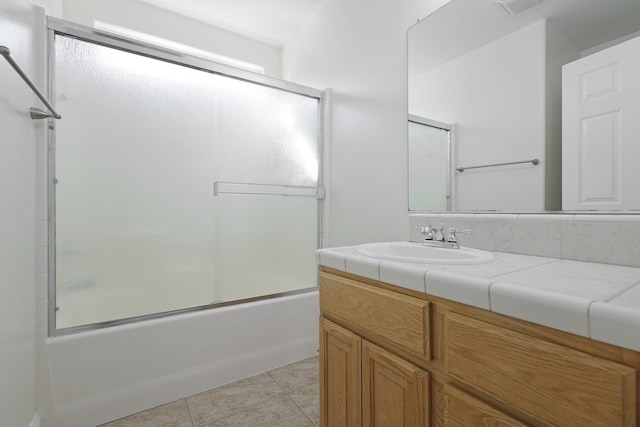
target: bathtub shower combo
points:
(176, 184)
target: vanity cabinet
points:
(364, 384)
(340, 370)
(391, 356)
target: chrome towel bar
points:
(534, 161)
(248, 189)
(36, 113)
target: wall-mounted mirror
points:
(492, 70)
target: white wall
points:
(18, 32)
(157, 22)
(504, 98)
(559, 52)
(52, 7)
(358, 49)
(496, 97)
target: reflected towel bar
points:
(534, 161)
(36, 113)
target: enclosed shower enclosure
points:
(176, 183)
(429, 159)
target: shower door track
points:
(104, 38)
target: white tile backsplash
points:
(609, 239)
(623, 217)
(546, 217)
(531, 237)
(603, 242)
(483, 232)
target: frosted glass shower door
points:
(134, 169)
(177, 187)
(265, 243)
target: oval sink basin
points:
(417, 253)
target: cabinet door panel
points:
(551, 383)
(396, 393)
(340, 386)
(463, 410)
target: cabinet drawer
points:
(464, 410)
(397, 318)
(551, 383)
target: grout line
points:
(189, 412)
(521, 269)
(617, 294)
(489, 294)
(299, 387)
(589, 319)
(291, 399)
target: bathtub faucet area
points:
(440, 236)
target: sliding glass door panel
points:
(134, 167)
(265, 245)
(139, 227)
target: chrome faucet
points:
(426, 231)
(437, 236)
(452, 240)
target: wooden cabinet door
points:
(395, 392)
(340, 384)
(464, 410)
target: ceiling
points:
(463, 25)
(269, 21)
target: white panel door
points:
(601, 130)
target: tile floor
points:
(284, 397)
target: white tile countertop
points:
(598, 301)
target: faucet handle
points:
(426, 231)
(453, 231)
(438, 233)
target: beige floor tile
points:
(308, 400)
(230, 399)
(284, 397)
(174, 414)
(297, 374)
(279, 413)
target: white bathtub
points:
(94, 377)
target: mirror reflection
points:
(492, 70)
(429, 160)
